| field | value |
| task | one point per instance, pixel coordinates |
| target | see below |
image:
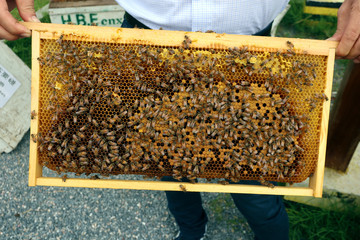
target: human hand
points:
(10, 28)
(348, 31)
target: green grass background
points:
(306, 222)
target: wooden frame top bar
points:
(162, 37)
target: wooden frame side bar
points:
(35, 169)
(316, 182)
(173, 186)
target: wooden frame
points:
(118, 35)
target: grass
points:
(306, 222)
(303, 25)
(314, 223)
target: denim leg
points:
(187, 209)
(265, 214)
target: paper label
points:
(8, 85)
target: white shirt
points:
(223, 16)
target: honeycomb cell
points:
(238, 113)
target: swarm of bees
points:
(175, 111)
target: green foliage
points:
(303, 25)
(22, 48)
(37, 5)
(314, 223)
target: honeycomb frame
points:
(174, 39)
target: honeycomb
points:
(130, 108)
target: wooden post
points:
(344, 128)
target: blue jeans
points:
(265, 214)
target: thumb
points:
(342, 21)
(335, 37)
(26, 10)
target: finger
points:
(6, 35)
(26, 10)
(357, 60)
(355, 50)
(351, 33)
(9, 24)
(343, 18)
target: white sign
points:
(109, 16)
(8, 86)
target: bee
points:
(111, 138)
(80, 134)
(145, 167)
(34, 138)
(94, 122)
(222, 182)
(161, 167)
(324, 97)
(73, 164)
(59, 41)
(182, 188)
(33, 114)
(299, 148)
(94, 177)
(121, 166)
(266, 183)
(75, 118)
(64, 178)
(82, 154)
(290, 44)
(312, 106)
(104, 146)
(76, 139)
